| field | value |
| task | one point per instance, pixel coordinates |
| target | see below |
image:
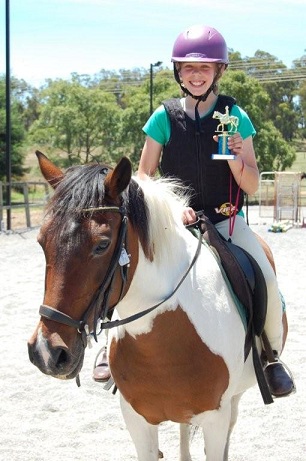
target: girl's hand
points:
(235, 143)
(189, 216)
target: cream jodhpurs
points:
(244, 237)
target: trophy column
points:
(223, 151)
(225, 119)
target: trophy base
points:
(223, 157)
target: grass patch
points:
(299, 164)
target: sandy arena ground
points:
(44, 419)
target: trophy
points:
(225, 119)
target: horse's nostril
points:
(61, 357)
(31, 352)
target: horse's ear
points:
(50, 172)
(117, 180)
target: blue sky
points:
(53, 38)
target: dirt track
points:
(43, 419)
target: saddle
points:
(249, 286)
(245, 277)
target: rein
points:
(131, 318)
(101, 295)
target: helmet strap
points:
(199, 99)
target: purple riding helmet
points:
(199, 44)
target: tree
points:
(17, 135)
(272, 151)
(302, 113)
(281, 85)
(300, 65)
(103, 115)
(136, 99)
(81, 121)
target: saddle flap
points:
(243, 272)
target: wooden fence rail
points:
(31, 197)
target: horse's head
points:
(82, 237)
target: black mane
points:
(82, 187)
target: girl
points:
(180, 139)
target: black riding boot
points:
(279, 380)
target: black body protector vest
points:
(187, 156)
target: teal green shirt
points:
(158, 126)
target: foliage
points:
(137, 103)
(280, 83)
(273, 152)
(17, 135)
(101, 116)
(249, 94)
(302, 96)
(300, 65)
(83, 122)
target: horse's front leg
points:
(184, 442)
(143, 434)
(216, 426)
(234, 416)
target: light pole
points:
(157, 64)
(8, 159)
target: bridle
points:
(101, 296)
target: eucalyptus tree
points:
(80, 121)
(136, 100)
(300, 66)
(280, 83)
(18, 135)
(273, 152)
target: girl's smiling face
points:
(197, 77)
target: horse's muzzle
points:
(56, 360)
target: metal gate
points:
(280, 196)
(287, 197)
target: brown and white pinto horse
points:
(112, 241)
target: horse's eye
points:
(102, 246)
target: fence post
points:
(46, 192)
(1, 205)
(26, 203)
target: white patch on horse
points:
(42, 346)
